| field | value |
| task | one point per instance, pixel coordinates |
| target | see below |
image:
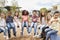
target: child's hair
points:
(34, 11)
(45, 11)
(4, 14)
(9, 12)
(15, 13)
(49, 11)
(25, 12)
(56, 12)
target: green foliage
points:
(13, 8)
(0, 10)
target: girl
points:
(49, 16)
(43, 16)
(25, 17)
(3, 27)
(17, 20)
(34, 22)
(43, 21)
(10, 24)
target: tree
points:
(14, 5)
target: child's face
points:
(9, 14)
(16, 14)
(34, 13)
(2, 15)
(49, 17)
(56, 15)
(43, 14)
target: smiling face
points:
(2, 15)
(42, 13)
(16, 14)
(9, 13)
(34, 13)
(56, 15)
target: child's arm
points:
(38, 20)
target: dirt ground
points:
(19, 37)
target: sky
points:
(35, 4)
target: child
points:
(43, 16)
(3, 27)
(25, 16)
(49, 16)
(17, 20)
(43, 20)
(34, 22)
(54, 24)
(10, 24)
(55, 21)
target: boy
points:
(55, 21)
(10, 24)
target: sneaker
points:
(34, 36)
(29, 34)
(7, 38)
(38, 36)
(4, 36)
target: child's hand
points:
(56, 20)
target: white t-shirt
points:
(16, 19)
(43, 21)
(2, 22)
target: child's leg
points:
(19, 24)
(54, 37)
(35, 29)
(27, 26)
(13, 27)
(8, 26)
(3, 30)
(49, 33)
(22, 28)
(30, 28)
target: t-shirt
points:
(24, 17)
(16, 19)
(34, 18)
(9, 19)
(43, 21)
(2, 22)
(55, 25)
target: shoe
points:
(7, 38)
(34, 36)
(4, 36)
(29, 34)
(38, 36)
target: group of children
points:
(12, 22)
